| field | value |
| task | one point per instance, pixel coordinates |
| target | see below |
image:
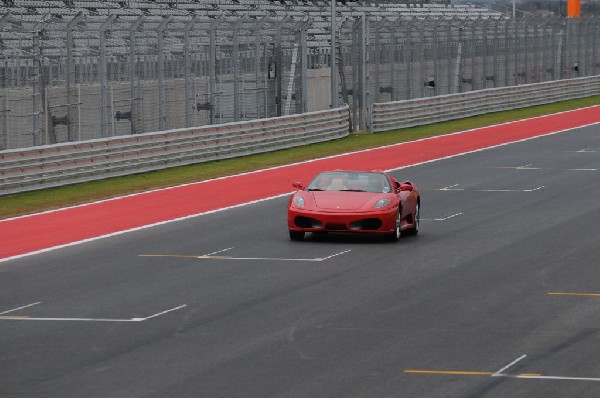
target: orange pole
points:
(574, 8)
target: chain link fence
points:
(80, 78)
(384, 61)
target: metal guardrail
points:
(48, 166)
(409, 113)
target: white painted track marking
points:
(502, 370)
(26, 318)
(162, 313)
(218, 251)
(443, 218)
(527, 167)
(335, 255)
(551, 377)
(210, 257)
(453, 188)
(20, 308)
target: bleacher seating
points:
(21, 15)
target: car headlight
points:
(382, 203)
(298, 201)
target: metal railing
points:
(403, 114)
(67, 163)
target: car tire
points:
(296, 235)
(417, 220)
(395, 236)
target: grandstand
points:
(26, 13)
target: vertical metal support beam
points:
(162, 119)
(187, 71)
(595, 44)
(103, 77)
(558, 69)
(37, 95)
(70, 78)
(506, 54)
(257, 71)
(436, 60)
(526, 51)
(133, 76)
(364, 79)
(458, 69)
(355, 57)
(495, 44)
(473, 54)
(516, 50)
(334, 72)
(485, 28)
(393, 68)
(449, 58)
(236, 73)
(212, 71)
(536, 54)
(578, 55)
(279, 68)
(408, 60)
(422, 64)
(377, 62)
(304, 70)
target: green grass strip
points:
(32, 202)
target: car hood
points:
(337, 200)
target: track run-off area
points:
(498, 295)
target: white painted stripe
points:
(490, 190)
(276, 196)
(70, 319)
(540, 168)
(552, 377)
(510, 190)
(335, 255)
(20, 308)
(502, 370)
(449, 217)
(451, 188)
(218, 251)
(9, 318)
(163, 312)
(261, 258)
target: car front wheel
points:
(416, 220)
(296, 235)
(394, 236)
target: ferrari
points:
(366, 202)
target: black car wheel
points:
(394, 236)
(417, 220)
(296, 235)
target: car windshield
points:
(352, 181)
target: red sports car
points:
(369, 202)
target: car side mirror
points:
(298, 185)
(406, 187)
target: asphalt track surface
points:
(498, 296)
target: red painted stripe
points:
(42, 231)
